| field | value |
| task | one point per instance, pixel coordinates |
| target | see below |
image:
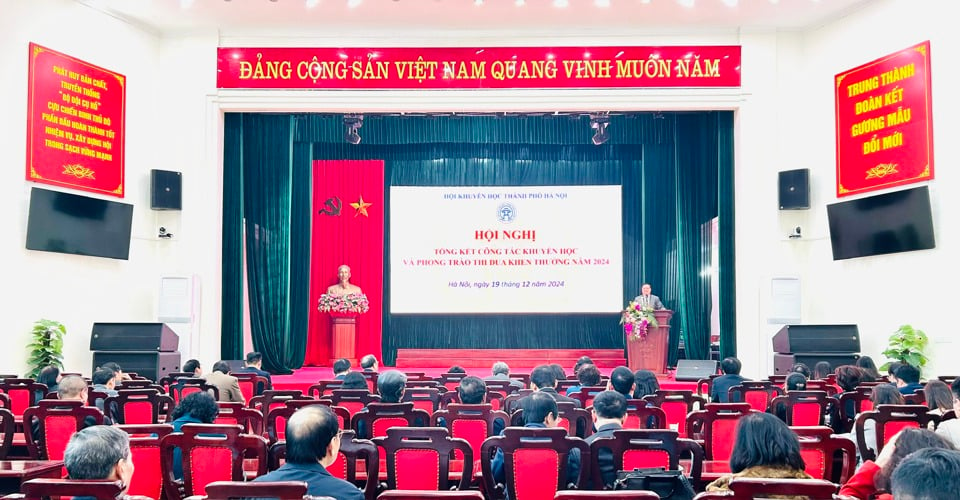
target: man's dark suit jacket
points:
(722, 384)
(319, 481)
(253, 369)
(604, 455)
(521, 403)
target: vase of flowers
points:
(637, 320)
(349, 304)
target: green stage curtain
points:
(727, 257)
(231, 296)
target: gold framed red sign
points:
(75, 123)
(884, 122)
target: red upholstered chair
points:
(451, 380)
(427, 495)
(171, 378)
(381, 416)
(496, 400)
(58, 420)
(354, 400)
(323, 388)
(44, 489)
(676, 405)
(273, 398)
(717, 425)
(641, 416)
(138, 406)
(473, 423)
(822, 385)
(7, 426)
(22, 393)
(424, 398)
(743, 488)
(503, 387)
(586, 394)
(511, 402)
(917, 398)
(282, 490)
(251, 384)
(563, 385)
(413, 383)
(234, 413)
(850, 404)
(889, 420)
(371, 380)
(210, 453)
(639, 449)
(276, 423)
(185, 386)
(535, 462)
(757, 394)
(522, 377)
(418, 458)
(603, 495)
(822, 451)
(145, 452)
(570, 417)
(704, 385)
(803, 408)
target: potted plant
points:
(46, 348)
(906, 345)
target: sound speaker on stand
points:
(794, 189)
(165, 193)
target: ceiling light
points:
(519, 3)
(561, 3)
(730, 3)
(601, 3)
(312, 3)
(686, 3)
(478, 2)
(352, 124)
(354, 3)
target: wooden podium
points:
(651, 353)
(344, 335)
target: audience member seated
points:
(340, 368)
(583, 360)
(645, 384)
(950, 429)
(501, 371)
(938, 397)
(764, 447)
(540, 412)
(193, 366)
(542, 379)
(588, 376)
(558, 371)
(822, 370)
(227, 385)
(609, 414)
(795, 381)
(801, 368)
(456, 369)
(869, 368)
(882, 394)
(908, 379)
(929, 474)
(892, 372)
(50, 377)
(873, 478)
(622, 381)
(110, 365)
(390, 385)
(731, 377)
(99, 452)
(253, 363)
(104, 380)
(73, 388)
(848, 378)
(354, 380)
(313, 441)
(369, 363)
(195, 408)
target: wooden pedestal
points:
(650, 353)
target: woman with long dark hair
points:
(646, 384)
(866, 364)
(764, 447)
(938, 397)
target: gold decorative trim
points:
(79, 171)
(841, 189)
(926, 171)
(882, 170)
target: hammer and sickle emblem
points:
(331, 207)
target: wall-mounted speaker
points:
(795, 189)
(165, 190)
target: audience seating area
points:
(430, 445)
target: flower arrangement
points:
(349, 303)
(637, 320)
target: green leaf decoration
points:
(906, 345)
(46, 345)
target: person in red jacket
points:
(873, 478)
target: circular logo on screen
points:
(506, 213)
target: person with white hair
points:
(501, 371)
(99, 452)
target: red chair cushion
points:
(417, 469)
(806, 414)
(723, 432)
(814, 460)
(535, 473)
(641, 459)
(57, 432)
(138, 412)
(474, 431)
(209, 464)
(676, 415)
(147, 479)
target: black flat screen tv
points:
(900, 221)
(73, 224)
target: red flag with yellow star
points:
(348, 224)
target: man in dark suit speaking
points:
(647, 299)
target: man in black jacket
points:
(723, 383)
(609, 414)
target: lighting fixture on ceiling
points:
(354, 3)
(601, 3)
(599, 125)
(352, 124)
(561, 3)
(312, 3)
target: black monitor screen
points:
(69, 223)
(900, 221)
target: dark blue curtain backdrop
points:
(674, 169)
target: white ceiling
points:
(372, 17)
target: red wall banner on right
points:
(884, 122)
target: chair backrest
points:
(7, 427)
(504, 387)
(381, 416)
(57, 422)
(250, 383)
(371, 380)
(704, 385)
(282, 490)
(274, 398)
(22, 392)
(418, 458)
(323, 388)
(422, 494)
(917, 398)
(147, 477)
(822, 385)
(276, 423)
(535, 462)
(718, 424)
(473, 423)
(210, 453)
(184, 386)
(852, 403)
(603, 495)
(803, 408)
(586, 394)
(522, 377)
(171, 378)
(676, 405)
(137, 406)
(234, 413)
(451, 380)
(356, 455)
(37, 489)
(641, 416)
(425, 398)
(511, 402)
(819, 448)
(744, 488)
(496, 400)
(757, 394)
(576, 421)
(890, 419)
(354, 400)
(639, 449)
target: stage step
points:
(515, 358)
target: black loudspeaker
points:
(165, 190)
(695, 369)
(154, 337)
(795, 189)
(817, 338)
(153, 365)
(783, 362)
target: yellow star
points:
(361, 207)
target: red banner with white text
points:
(348, 222)
(75, 123)
(449, 68)
(885, 122)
